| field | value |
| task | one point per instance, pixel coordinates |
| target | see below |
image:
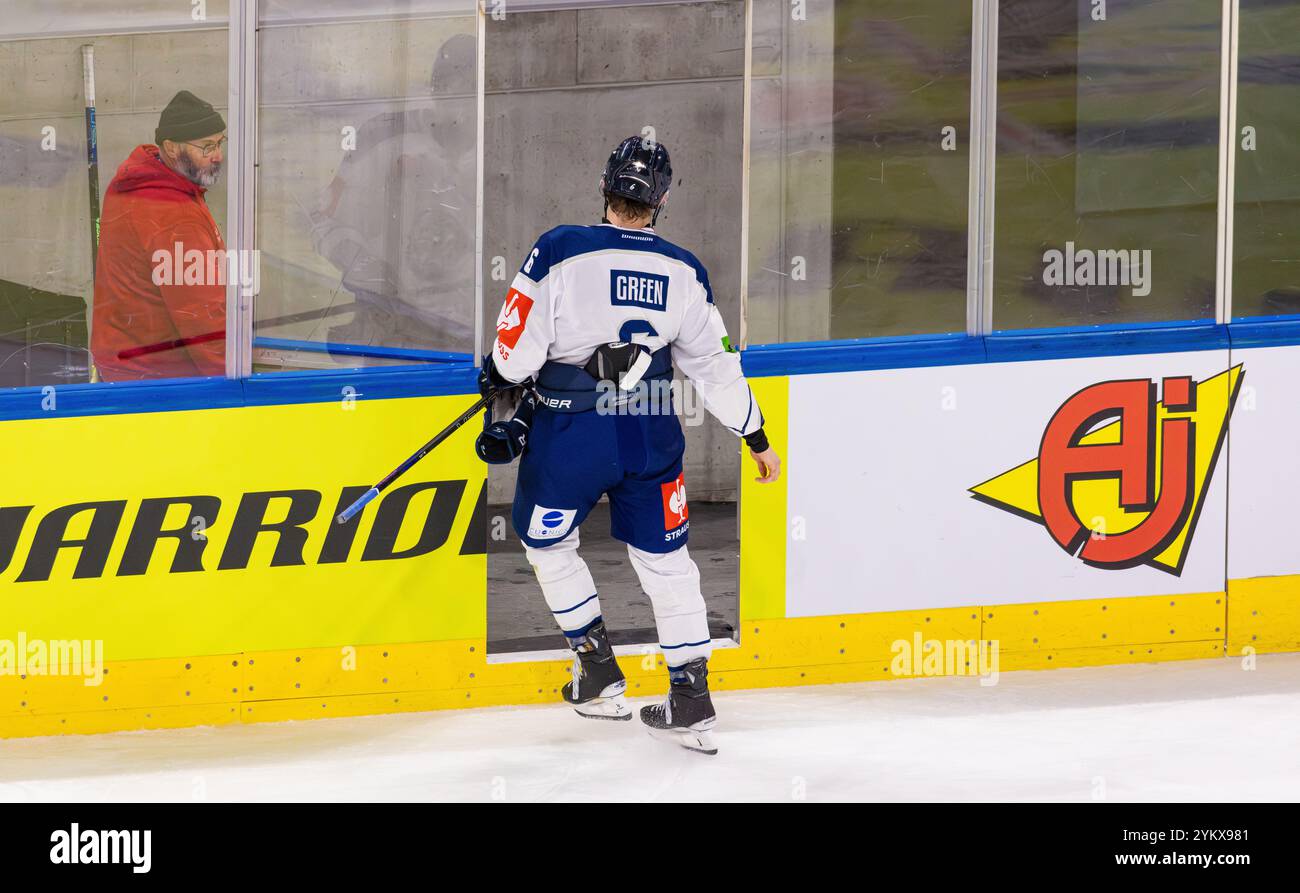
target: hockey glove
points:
(489, 379)
(503, 439)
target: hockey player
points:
(595, 313)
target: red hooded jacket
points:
(141, 329)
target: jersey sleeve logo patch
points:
(511, 322)
(630, 288)
(674, 499)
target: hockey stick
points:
(92, 150)
(92, 170)
(348, 513)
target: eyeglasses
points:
(208, 148)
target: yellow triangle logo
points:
(1096, 502)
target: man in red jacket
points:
(160, 307)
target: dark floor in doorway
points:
(518, 619)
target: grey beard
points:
(190, 171)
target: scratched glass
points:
(859, 169)
(1107, 162)
(1266, 260)
(367, 183)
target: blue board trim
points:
(1265, 331)
(450, 378)
(117, 398)
(1105, 341)
(998, 347)
(261, 389)
(862, 354)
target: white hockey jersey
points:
(584, 286)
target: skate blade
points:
(615, 708)
(690, 739)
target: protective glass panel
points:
(108, 243)
(367, 176)
(1266, 264)
(859, 169)
(1107, 162)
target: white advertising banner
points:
(1018, 482)
(1264, 466)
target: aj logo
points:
(1120, 477)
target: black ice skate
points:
(687, 715)
(597, 688)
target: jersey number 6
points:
(634, 327)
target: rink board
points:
(884, 531)
(409, 568)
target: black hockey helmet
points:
(638, 169)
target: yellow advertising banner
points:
(213, 531)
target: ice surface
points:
(1197, 730)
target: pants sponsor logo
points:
(550, 524)
(674, 499)
(1121, 476)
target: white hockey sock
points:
(672, 581)
(566, 583)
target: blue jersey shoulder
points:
(564, 242)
